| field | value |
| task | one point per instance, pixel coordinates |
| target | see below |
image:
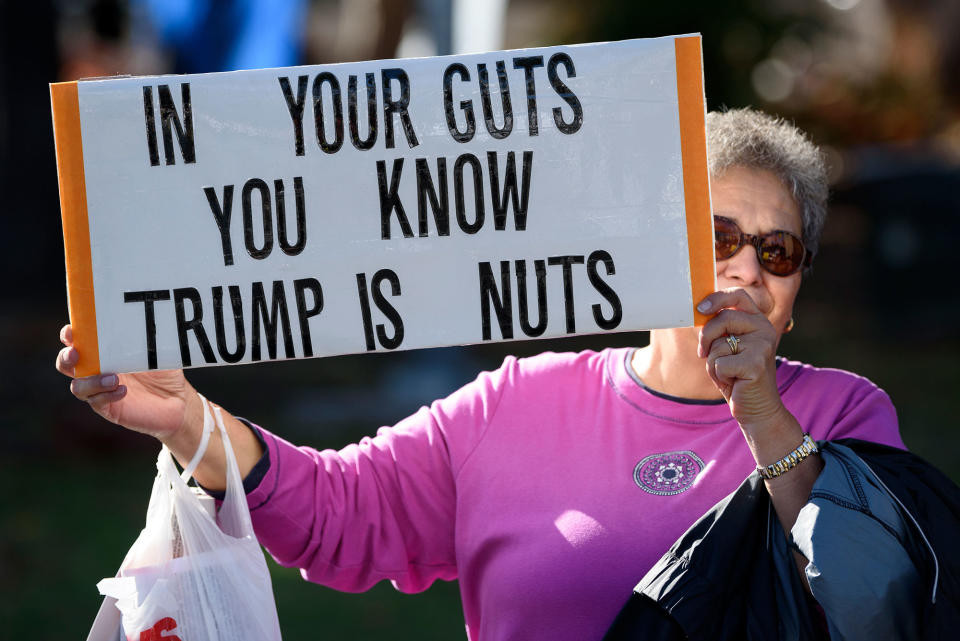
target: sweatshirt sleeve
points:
(867, 414)
(383, 508)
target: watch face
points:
(669, 473)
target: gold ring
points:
(734, 344)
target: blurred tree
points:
(737, 34)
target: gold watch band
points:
(790, 461)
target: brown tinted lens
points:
(726, 238)
(781, 253)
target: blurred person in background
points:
(224, 35)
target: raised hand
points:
(747, 377)
(164, 405)
(157, 403)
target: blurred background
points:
(874, 81)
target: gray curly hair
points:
(756, 140)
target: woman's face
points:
(758, 202)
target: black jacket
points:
(729, 576)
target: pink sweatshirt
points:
(548, 488)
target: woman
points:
(549, 486)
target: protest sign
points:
(310, 211)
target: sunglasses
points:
(779, 252)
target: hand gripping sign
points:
(310, 211)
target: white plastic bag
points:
(189, 577)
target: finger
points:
(753, 346)
(725, 370)
(85, 388)
(747, 364)
(101, 400)
(733, 298)
(729, 321)
(67, 361)
(66, 335)
(720, 380)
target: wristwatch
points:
(788, 462)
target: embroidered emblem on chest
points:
(667, 474)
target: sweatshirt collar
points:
(628, 386)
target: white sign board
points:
(310, 211)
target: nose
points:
(743, 267)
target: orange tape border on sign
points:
(696, 180)
(76, 231)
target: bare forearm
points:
(212, 470)
(790, 491)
